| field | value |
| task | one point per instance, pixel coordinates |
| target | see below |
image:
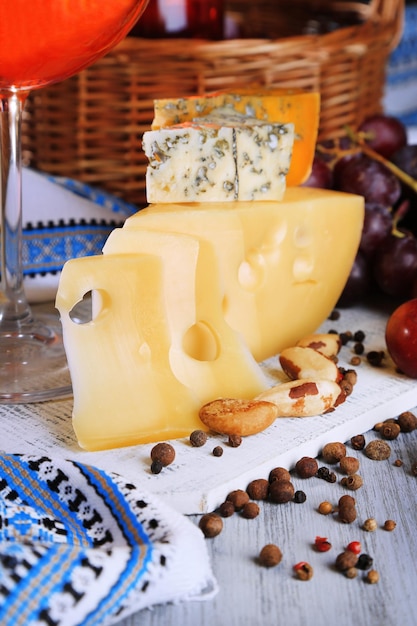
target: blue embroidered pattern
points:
(67, 528)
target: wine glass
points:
(41, 42)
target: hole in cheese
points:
(200, 342)
(303, 267)
(251, 272)
(90, 306)
(82, 312)
(303, 236)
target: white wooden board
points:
(197, 481)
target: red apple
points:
(401, 337)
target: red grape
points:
(358, 283)
(406, 159)
(395, 265)
(401, 337)
(384, 133)
(320, 176)
(377, 226)
(368, 178)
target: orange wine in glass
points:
(41, 42)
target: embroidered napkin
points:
(81, 547)
(62, 219)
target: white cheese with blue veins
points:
(218, 158)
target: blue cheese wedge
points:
(218, 158)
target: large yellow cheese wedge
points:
(283, 264)
(302, 108)
(157, 347)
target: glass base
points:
(33, 364)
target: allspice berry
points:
(345, 560)
(234, 441)
(347, 514)
(333, 452)
(389, 524)
(258, 489)
(353, 482)
(198, 438)
(250, 510)
(281, 492)
(349, 465)
(226, 509)
(347, 500)
(358, 442)
(390, 430)
(164, 453)
(346, 509)
(239, 498)
(211, 525)
(378, 450)
(306, 467)
(279, 473)
(270, 555)
(407, 422)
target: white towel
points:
(62, 219)
(79, 547)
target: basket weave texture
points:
(89, 127)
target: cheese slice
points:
(221, 157)
(282, 264)
(157, 347)
(277, 105)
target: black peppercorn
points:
(364, 562)
(325, 474)
(299, 497)
(359, 335)
(358, 348)
(345, 337)
(156, 467)
(375, 358)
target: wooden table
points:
(251, 595)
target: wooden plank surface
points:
(253, 596)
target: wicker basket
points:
(90, 126)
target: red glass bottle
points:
(181, 18)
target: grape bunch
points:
(386, 261)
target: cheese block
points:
(218, 158)
(277, 105)
(157, 347)
(283, 264)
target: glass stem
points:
(15, 311)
